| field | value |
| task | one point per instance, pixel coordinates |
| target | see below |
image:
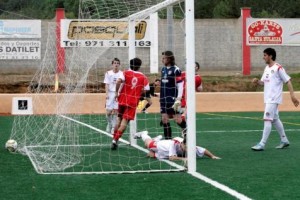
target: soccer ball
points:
(11, 145)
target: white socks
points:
(279, 127)
(266, 132)
(145, 136)
(113, 120)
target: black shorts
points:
(167, 108)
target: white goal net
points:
(67, 134)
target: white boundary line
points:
(246, 131)
(196, 174)
(179, 167)
(220, 186)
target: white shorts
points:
(200, 151)
(271, 111)
(111, 103)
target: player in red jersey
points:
(198, 84)
(133, 84)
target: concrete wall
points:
(218, 48)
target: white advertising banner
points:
(273, 32)
(20, 50)
(20, 28)
(96, 33)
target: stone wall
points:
(218, 48)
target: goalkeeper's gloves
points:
(177, 105)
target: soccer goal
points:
(67, 133)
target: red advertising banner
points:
(273, 32)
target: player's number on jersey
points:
(134, 82)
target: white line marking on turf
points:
(220, 186)
(195, 174)
(179, 167)
(246, 131)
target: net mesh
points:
(67, 133)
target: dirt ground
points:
(10, 83)
(233, 93)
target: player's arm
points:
(198, 83)
(118, 85)
(177, 158)
(146, 84)
(152, 88)
(172, 153)
(106, 89)
(179, 86)
(119, 81)
(106, 84)
(256, 82)
(292, 94)
(151, 154)
(286, 79)
(200, 88)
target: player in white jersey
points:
(272, 79)
(174, 149)
(111, 104)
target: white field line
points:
(196, 174)
(179, 167)
(244, 117)
(246, 131)
(220, 186)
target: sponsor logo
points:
(265, 32)
(83, 30)
(8, 30)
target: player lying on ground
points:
(174, 149)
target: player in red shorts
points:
(128, 95)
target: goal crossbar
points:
(144, 13)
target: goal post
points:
(191, 98)
(62, 138)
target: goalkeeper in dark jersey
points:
(171, 91)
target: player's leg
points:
(109, 120)
(149, 103)
(270, 110)
(116, 134)
(109, 104)
(284, 142)
(114, 115)
(127, 113)
(180, 121)
(166, 126)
